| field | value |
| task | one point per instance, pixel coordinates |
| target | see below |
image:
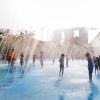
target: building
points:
(68, 35)
(83, 36)
(95, 44)
(57, 36)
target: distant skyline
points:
(51, 14)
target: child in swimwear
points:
(61, 65)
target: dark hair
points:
(87, 54)
(62, 55)
(97, 58)
(22, 55)
(12, 49)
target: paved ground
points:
(45, 84)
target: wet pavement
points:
(45, 84)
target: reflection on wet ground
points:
(45, 84)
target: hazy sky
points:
(51, 14)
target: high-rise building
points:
(57, 36)
(69, 34)
(83, 36)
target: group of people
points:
(23, 59)
(91, 63)
(11, 58)
(96, 61)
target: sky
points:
(50, 14)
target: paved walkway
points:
(45, 84)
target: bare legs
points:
(90, 77)
(96, 69)
(41, 62)
(61, 71)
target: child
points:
(99, 64)
(41, 59)
(94, 58)
(21, 58)
(34, 59)
(96, 63)
(61, 65)
(66, 61)
(9, 59)
(12, 62)
(90, 66)
(12, 56)
(53, 60)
